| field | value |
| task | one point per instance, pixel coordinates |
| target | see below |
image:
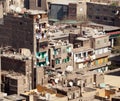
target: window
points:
(97, 17)
(114, 11)
(21, 23)
(90, 16)
(84, 54)
(112, 19)
(105, 18)
(98, 9)
(39, 3)
(65, 9)
(79, 55)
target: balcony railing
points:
(103, 54)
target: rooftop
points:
(35, 12)
(82, 38)
(64, 2)
(56, 43)
(105, 27)
(15, 97)
(9, 52)
(12, 74)
(66, 89)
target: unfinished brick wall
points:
(10, 64)
(17, 32)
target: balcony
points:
(103, 55)
(41, 55)
(57, 53)
(84, 59)
(41, 64)
(98, 66)
(57, 56)
(42, 49)
(43, 20)
(102, 45)
(41, 38)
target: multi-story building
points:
(42, 94)
(108, 15)
(38, 4)
(17, 72)
(69, 9)
(14, 83)
(1, 9)
(86, 10)
(60, 55)
(100, 43)
(30, 33)
(32, 25)
(90, 49)
(15, 5)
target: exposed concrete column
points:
(1, 10)
(112, 42)
(86, 54)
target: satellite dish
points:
(71, 83)
(78, 82)
(18, 9)
(56, 80)
(39, 16)
(81, 9)
(117, 12)
(48, 63)
(69, 69)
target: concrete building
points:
(42, 94)
(60, 54)
(32, 25)
(112, 78)
(1, 9)
(108, 15)
(88, 48)
(57, 12)
(73, 93)
(69, 9)
(116, 98)
(89, 10)
(12, 5)
(13, 97)
(17, 72)
(38, 4)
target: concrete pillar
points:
(1, 10)
(112, 42)
(86, 54)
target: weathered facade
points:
(1, 9)
(60, 54)
(16, 73)
(104, 14)
(38, 4)
(90, 49)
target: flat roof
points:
(35, 12)
(15, 97)
(105, 27)
(66, 89)
(82, 38)
(64, 2)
